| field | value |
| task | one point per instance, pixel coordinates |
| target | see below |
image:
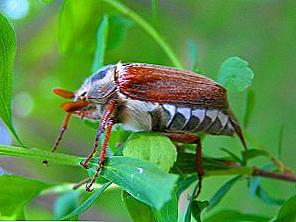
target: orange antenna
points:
(70, 107)
(64, 93)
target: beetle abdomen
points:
(211, 121)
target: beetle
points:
(143, 97)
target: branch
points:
(222, 166)
(280, 176)
(185, 161)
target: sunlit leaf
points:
(249, 107)
(235, 74)
(287, 212)
(15, 193)
(87, 203)
(65, 204)
(152, 147)
(138, 211)
(143, 180)
(235, 216)
(7, 56)
(221, 192)
(102, 36)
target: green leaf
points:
(87, 203)
(235, 75)
(252, 153)
(197, 208)
(189, 208)
(138, 211)
(217, 197)
(118, 138)
(235, 216)
(141, 212)
(232, 155)
(266, 198)
(254, 185)
(77, 26)
(184, 184)
(15, 193)
(7, 56)
(118, 26)
(280, 144)
(287, 212)
(249, 107)
(65, 204)
(169, 212)
(102, 36)
(143, 180)
(152, 147)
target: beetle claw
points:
(88, 186)
(83, 164)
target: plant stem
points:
(38, 154)
(63, 159)
(148, 28)
(252, 171)
(273, 175)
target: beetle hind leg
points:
(191, 139)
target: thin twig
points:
(273, 175)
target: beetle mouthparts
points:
(64, 93)
(71, 107)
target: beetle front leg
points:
(190, 139)
(103, 153)
(107, 113)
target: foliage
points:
(7, 54)
(147, 169)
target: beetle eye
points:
(102, 74)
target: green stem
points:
(148, 28)
(33, 153)
(63, 159)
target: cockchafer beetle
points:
(142, 97)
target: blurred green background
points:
(261, 32)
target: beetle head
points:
(98, 87)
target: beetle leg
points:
(191, 139)
(102, 154)
(106, 116)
